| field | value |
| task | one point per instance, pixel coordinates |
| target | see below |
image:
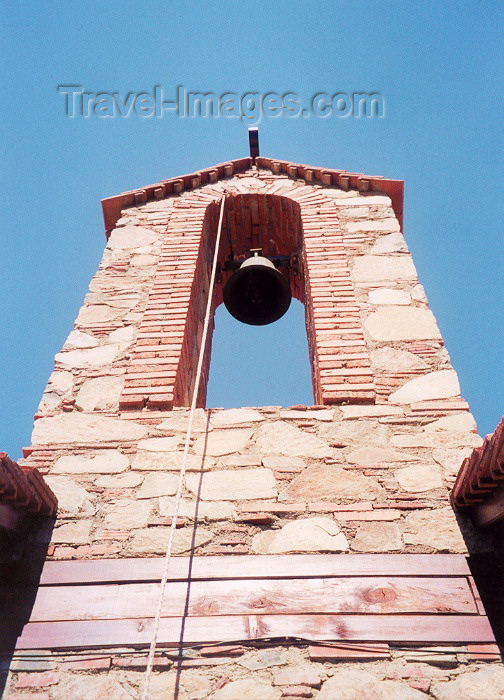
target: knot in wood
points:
(379, 594)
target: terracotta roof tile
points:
(112, 206)
(25, 489)
(482, 472)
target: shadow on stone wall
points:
(488, 571)
(22, 557)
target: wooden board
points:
(416, 598)
(375, 595)
(254, 566)
(424, 629)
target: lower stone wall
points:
(239, 672)
(259, 480)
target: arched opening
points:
(303, 239)
(260, 365)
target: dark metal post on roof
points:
(254, 141)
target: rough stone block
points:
(37, 680)
(402, 323)
(377, 537)
(223, 442)
(153, 540)
(80, 340)
(248, 689)
(353, 412)
(371, 456)
(394, 360)
(353, 684)
(102, 462)
(483, 682)
(233, 484)
(128, 480)
(179, 421)
(100, 394)
(131, 237)
(397, 297)
(460, 422)
(392, 243)
(161, 444)
(240, 461)
(450, 459)
(298, 676)
(235, 416)
(359, 432)
(281, 438)
(329, 483)
(435, 385)
(212, 510)
(78, 427)
(316, 534)
(143, 260)
(61, 382)
(91, 687)
(434, 439)
(276, 461)
(123, 336)
(418, 478)
(435, 528)
(377, 268)
(264, 658)
(171, 461)
(158, 484)
(127, 514)
(380, 225)
(72, 497)
(90, 358)
(97, 313)
(76, 532)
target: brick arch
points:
(302, 222)
(267, 221)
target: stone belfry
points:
(316, 553)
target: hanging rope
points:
(152, 648)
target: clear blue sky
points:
(438, 66)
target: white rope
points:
(152, 648)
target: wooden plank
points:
(476, 595)
(377, 595)
(254, 566)
(425, 629)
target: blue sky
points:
(437, 65)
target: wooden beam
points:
(374, 595)
(425, 629)
(254, 567)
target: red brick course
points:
(302, 224)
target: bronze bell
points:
(257, 293)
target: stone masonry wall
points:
(380, 473)
(325, 478)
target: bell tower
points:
(313, 551)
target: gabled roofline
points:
(112, 206)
